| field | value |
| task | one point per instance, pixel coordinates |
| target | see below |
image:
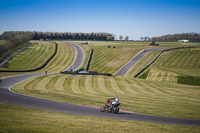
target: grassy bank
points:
(33, 57)
(109, 60)
(63, 59)
(20, 119)
(173, 64)
(141, 96)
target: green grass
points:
(184, 62)
(189, 80)
(172, 64)
(23, 120)
(148, 58)
(141, 96)
(109, 60)
(63, 59)
(138, 95)
(2, 41)
(33, 57)
(6, 54)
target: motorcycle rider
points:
(108, 104)
(116, 100)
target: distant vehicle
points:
(153, 43)
(84, 43)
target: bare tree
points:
(120, 37)
(142, 38)
(126, 38)
(146, 38)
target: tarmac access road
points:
(79, 57)
(124, 69)
(11, 98)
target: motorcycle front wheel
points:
(102, 109)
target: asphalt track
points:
(11, 98)
(79, 58)
(123, 70)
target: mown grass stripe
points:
(109, 86)
(102, 85)
(128, 87)
(59, 85)
(153, 90)
(135, 86)
(121, 85)
(39, 56)
(21, 87)
(95, 85)
(88, 85)
(54, 64)
(115, 86)
(82, 85)
(41, 86)
(143, 90)
(67, 83)
(52, 83)
(31, 85)
(75, 84)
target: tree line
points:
(59, 36)
(192, 37)
(13, 40)
(16, 38)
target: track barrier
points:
(89, 60)
(85, 73)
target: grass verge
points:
(138, 95)
(23, 120)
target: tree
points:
(146, 38)
(120, 37)
(126, 38)
(142, 38)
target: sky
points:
(133, 18)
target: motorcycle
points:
(114, 108)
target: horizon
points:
(127, 18)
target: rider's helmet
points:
(116, 97)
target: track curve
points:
(79, 58)
(12, 98)
(124, 69)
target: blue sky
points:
(133, 18)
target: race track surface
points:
(79, 58)
(123, 70)
(12, 98)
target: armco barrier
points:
(85, 73)
(89, 60)
(38, 68)
(135, 76)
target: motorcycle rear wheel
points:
(115, 109)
